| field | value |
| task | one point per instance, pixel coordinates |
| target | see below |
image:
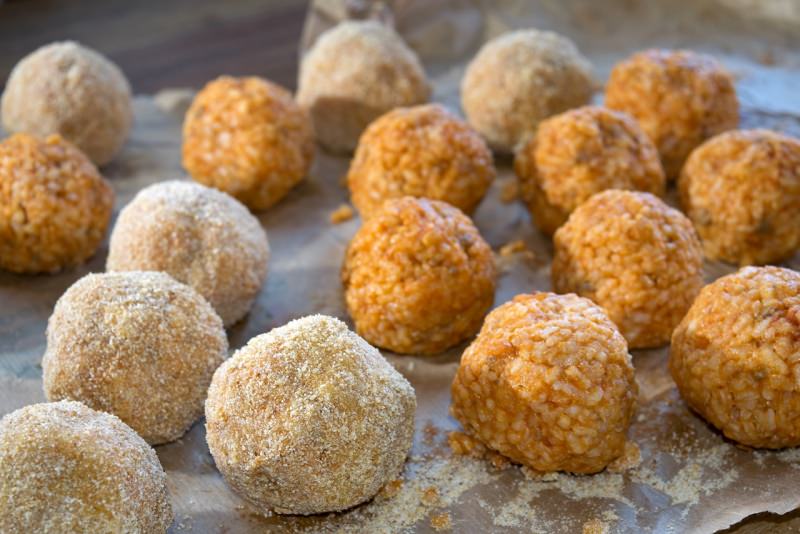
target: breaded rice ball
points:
(309, 418)
(579, 153)
(422, 151)
(519, 79)
(735, 359)
(354, 73)
(418, 277)
(636, 257)
(742, 191)
(68, 89)
(248, 138)
(137, 344)
(548, 383)
(54, 205)
(199, 236)
(66, 468)
(680, 99)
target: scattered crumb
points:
(498, 461)
(341, 214)
(509, 191)
(441, 522)
(429, 433)
(631, 457)
(516, 248)
(430, 496)
(391, 489)
(595, 526)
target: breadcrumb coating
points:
(248, 138)
(735, 356)
(548, 383)
(422, 151)
(136, 344)
(520, 78)
(54, 205)
(680, 98)
(309, 418)
(418, 277)
(65, 468)
(742, 191)
(636, 257)
(579, 153)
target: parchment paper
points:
(690, 479)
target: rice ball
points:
(418, 277)
(309, 418)
(636, 257)
(354, 73)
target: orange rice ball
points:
(735, 358)
(636, 257)
(680, 99)
(423, 151)
(742, 191)
(67, 468)
(579, 153)
(548, 383)
(519, 79)
(54, 205)
(248, 138)
(354, 73)
(418, 277)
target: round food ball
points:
(199, 236)
(636, 257)
(65, 88)
(680, 99)
(423, 151)
(519, 79)
(418, 277)
(54, 205)
(354, 73)
(309, 418)
(548, 383)
(742, 191)
(248, 138)
(67, 468)
(734, 356)
(579, 153)
(139, 345)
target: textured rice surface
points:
(418, 277)
(54, 205)
(309, 418)
(354, 73)
(65, 88)
(636, 257)
(65, 468)
(199, 236)
(422, 151)
(736, 356)
(137, 344)
(549, 383)
(742, 191)
(247, 137)
(579, 153)
(680, 99)
(519, 79)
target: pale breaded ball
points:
(65, 88)
(65, 468)
(199, 236)
(422, 151)
(680, 99)
(520, 78)
(742, 191)
(248, 138)
(309, 418)
(579, 153)
(735, 358)
(137, 344)
(548, 383)
(54, 205)
(354, 73)
(636, 257)
(418, 277)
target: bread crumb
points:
(341, 214)
(509, 191)
(498, 461)
(595, 526)
(631, 458)
(391, 489)
(430, 496)
(441, 522)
